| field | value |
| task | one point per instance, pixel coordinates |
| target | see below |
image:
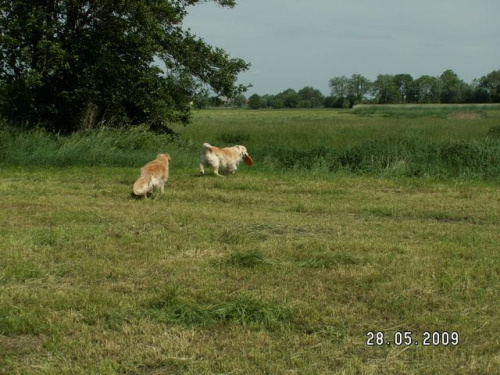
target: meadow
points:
(351, 225)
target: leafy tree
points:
(267, 101)
(201, 100)
(359, 86)
(310, 97)
(339, 87)
(452, 88)
(427, 89)
(349, 91)
(61, 59)
(290, 98)
(487, 88)
(352, 89)
(276, 102)
(406, 88)
(255, 101)
(330, 102)
(240, 101)
(386, 90)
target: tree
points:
(349, 91)
(60, 59)
(487, 88)
(386, 90)
(255, 101)
(290, 98)
(275, 101)
(406, 88)
(339, 87)
(452, 88)
(330, 102)
(427, 89)
(310, 97)
(359, 86)
(240, 101)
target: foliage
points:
(70, 64)
(487, 88)
(255, 101)
(310, 98)
(452, 88)
(402, 88)
(346, 92)
(386, 90)
(352, 90)
(307, 97)
(290, 98)
(339, 87)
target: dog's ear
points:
(243, 150)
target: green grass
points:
(444, 111)
(258, 273)
(444, 146)
(272, 270)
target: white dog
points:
(225, 159)
(153, 175)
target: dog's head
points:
(164, 157)
(242, 150)
(244, 155)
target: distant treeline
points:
(386, 89)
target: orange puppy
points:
(225, 159)
(153, 175)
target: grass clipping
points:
(245, 310)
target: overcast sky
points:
(294, 43)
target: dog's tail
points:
(142, 186)
(207, 146)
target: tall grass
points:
(429, 110)
(420, 142)
(102, 147)
(408, 156)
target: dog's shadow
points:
(210, 175)
(150, 196)
(135, 197)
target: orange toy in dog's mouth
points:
(248, 160)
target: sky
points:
(298, 43)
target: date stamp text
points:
(409, 338)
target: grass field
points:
(274, 270)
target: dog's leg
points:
(202, 170)
(216, 165)
(216, 172)
(232, 168)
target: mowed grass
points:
(256, 273)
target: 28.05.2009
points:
(407, 338)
